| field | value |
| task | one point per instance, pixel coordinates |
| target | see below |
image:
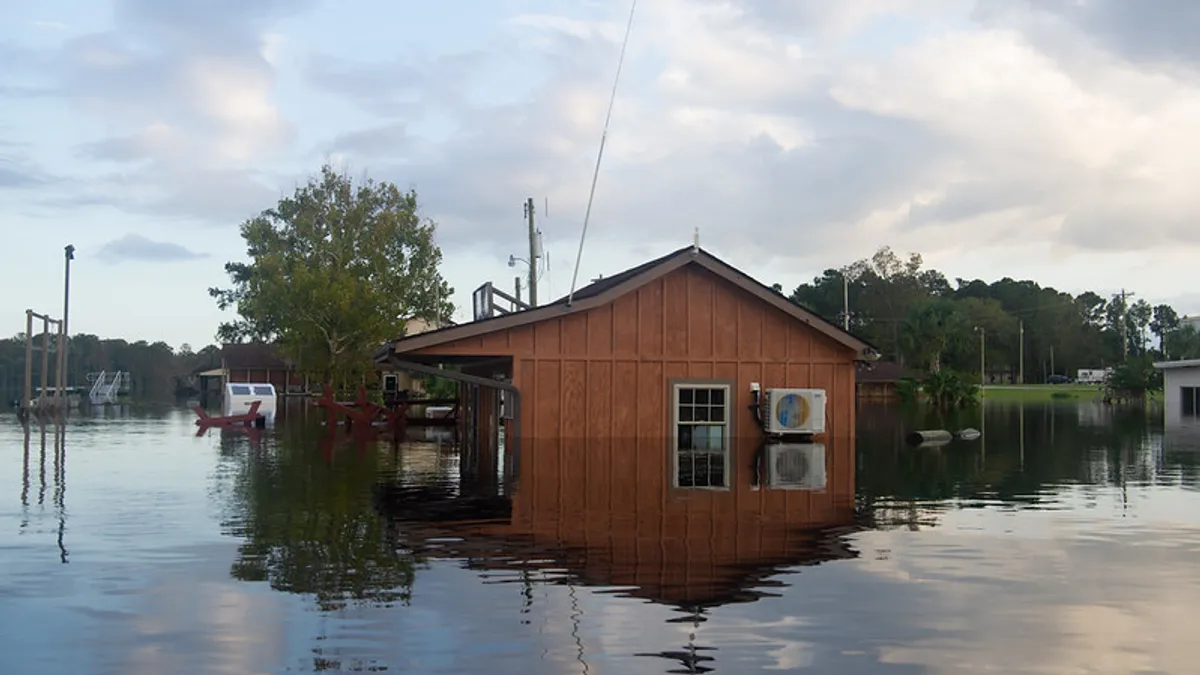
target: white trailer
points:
(1093, 375)
(239, 396)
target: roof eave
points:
(863, 350)
(1176, 365)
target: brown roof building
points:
(665, 353)
(879, 381)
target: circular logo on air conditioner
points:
(791, 411)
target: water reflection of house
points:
(607, 513)
(638, 354)
(879, 381)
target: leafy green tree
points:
(1137, 375)
(1165, 320)
(931, 329)
(1141, 314)
(334, 272)
(440, 387)
(1092, 307)
(1182, 343)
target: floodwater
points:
(1066, 540)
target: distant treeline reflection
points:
(1027, 449)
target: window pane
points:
(701, 396)
(240, 390)
(685, 437)
(716, 413)
(262, 391)
(700, 413)
(717, 397)
(716, 471)
(716, 437)
(685, 413)
(685, 396)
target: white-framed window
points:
(701, 434)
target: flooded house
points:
(258, 362)
(880, 381)
(1181, 392)
(666, 369)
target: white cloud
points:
(797, 134)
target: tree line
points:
(916, 317)
(156, 370)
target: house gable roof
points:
(252, 355)
(607, 289)
(886, 372)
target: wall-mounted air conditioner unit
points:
(796, 466)
(795, 411)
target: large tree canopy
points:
(334, 271)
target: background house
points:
(394, 380)
(258, 362)
(878, 381)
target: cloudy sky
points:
(1053, 140)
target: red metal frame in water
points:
(205, 421)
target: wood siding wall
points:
(604, 373)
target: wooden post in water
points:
(45, 360)
(59, 396)
(27, 399)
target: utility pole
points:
(1124, 327)
(69, 255)
(517, 288)
(534, 254)
(1021, 357)
(845, 302)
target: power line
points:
(603, 137)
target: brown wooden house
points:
(258, 362)
(879, 381)
(628, 353)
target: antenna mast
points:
(603, 137)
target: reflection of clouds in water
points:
(1059, 598)
(181, 622)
